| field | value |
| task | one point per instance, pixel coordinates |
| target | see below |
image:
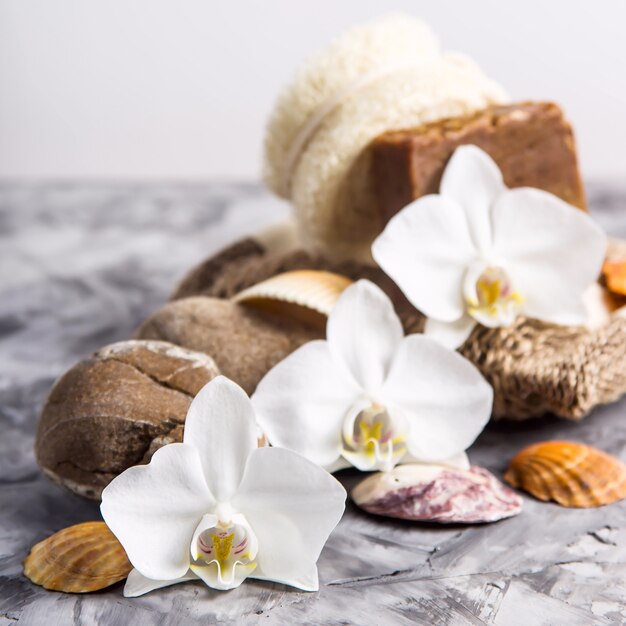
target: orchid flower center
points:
(226, 547)
(372, 439)
(490, 297)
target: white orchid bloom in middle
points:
(370, 397)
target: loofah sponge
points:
(385, 75)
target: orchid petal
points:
(301, 403)
(425, 249)
(137, 584)
(450, 334)
(221, 425)
(474, 181)
(553, 253)
(458, 461)
(443, 397)
(293, 505)
(307, 580)
(154, 509)
(338, 465)
(363, 333)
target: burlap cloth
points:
(534, 368)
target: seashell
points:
(436, 493)
(572, 474)
(614, 276)
(82, 558)
(305, 295)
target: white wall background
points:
(180, 89)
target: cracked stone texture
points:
(245, 344)
(114, 409)
(83, 265)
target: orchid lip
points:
(372, 439)
(489, 295)
(224, 549)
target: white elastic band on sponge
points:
(315, 121)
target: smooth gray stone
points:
(83, 265)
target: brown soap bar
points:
(532, 143)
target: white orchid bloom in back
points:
(370, 397)
(482, 253)
(218, 508)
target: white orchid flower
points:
(479, 252)
(370, 397)
(218, 508)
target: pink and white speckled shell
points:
(435, 493)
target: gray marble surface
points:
(81, 266)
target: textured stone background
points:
(81, 266)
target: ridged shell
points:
(614, 275)
(572, 474)
(305, 295)
(435, 493)
(78, 559)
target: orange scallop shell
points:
(78, 559)
(569, 473)
(614, 274)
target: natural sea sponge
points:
(115, 409)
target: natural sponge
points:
(385, 75)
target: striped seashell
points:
(614, 276)
(82, 558)
(305, 295)
(569, 473)
(437, 493)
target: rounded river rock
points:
(244, 342)
(115, 409)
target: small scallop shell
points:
(436, 493)
(614, 275)
(306, 295)
(569, 473)
(78, 559)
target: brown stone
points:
(115, 409)
(532, 143)
(208, 275)
(245, 343)
(232, 270)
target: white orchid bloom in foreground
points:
(218, 508)
(482, 253)
(370, 397)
